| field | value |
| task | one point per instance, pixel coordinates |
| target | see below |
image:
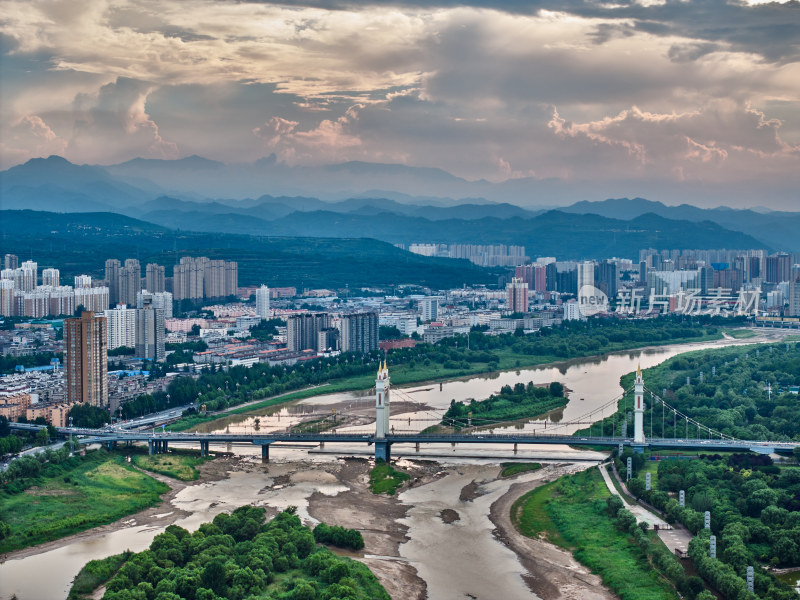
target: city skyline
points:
(696, 101)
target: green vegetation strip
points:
(572, 513)
(741, 334)
(514, 468)
(95, 573)
(240, 556)
(77, 494)
(177, 465)
(385, 479)
(519, 402)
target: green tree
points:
(42, 437)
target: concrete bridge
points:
(382, 439)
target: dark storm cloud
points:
(770, 30)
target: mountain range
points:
(196, 194)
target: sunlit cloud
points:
(575, 90)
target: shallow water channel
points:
(593, 382)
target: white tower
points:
(262, 302)
(382, 402)
(638, 408)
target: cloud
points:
(329, 141)
(30, 136)
(113, 122)
(720, 142)
(707, 90)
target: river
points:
(592, 381)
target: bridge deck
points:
(118, 435)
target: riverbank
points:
(553, 573)
(150, 517)
(335, 491)
(417, 372)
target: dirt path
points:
(553, 574)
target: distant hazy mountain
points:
(779, 230)
(554, 233)
(66, 187)
(197, 194)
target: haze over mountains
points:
(371, 200)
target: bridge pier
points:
(164, 446)
(383, 450)
(151, 447)
(515, 447)
(203, 448)
(265, 453)
(417, 446)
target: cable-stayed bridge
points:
(695, 435)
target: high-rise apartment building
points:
(778, 268)
(794, 297)
(62, 300)
(154, 278)
(329, 340)
(51, 277)
(162, 300)
(83, 281)
(540, 278)
(121, 327)
(607, 278)
(262, 302)
(302, 331)
(10, 261)
(187, 278)
(150, 332)
(86, 355)
(24, 277)
(130, 282)
(525, 273)
(517, 292)
(585, 274)
(359, 332)
(198, 278)
(7, 308)
(429, 309)
(113, 268)
(95, 299)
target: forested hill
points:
(79, 243)
(553, 233)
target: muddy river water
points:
(444, 555)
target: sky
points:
(636, 96)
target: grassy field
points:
(178, 465)
(95, 573)
(515, 468)
(571, 513)
(741, 334)
(385, 479)
(92, 491)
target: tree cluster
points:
(515, 402)
(755, 514)
(351, 539)
(86, 415)
(239, 556)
